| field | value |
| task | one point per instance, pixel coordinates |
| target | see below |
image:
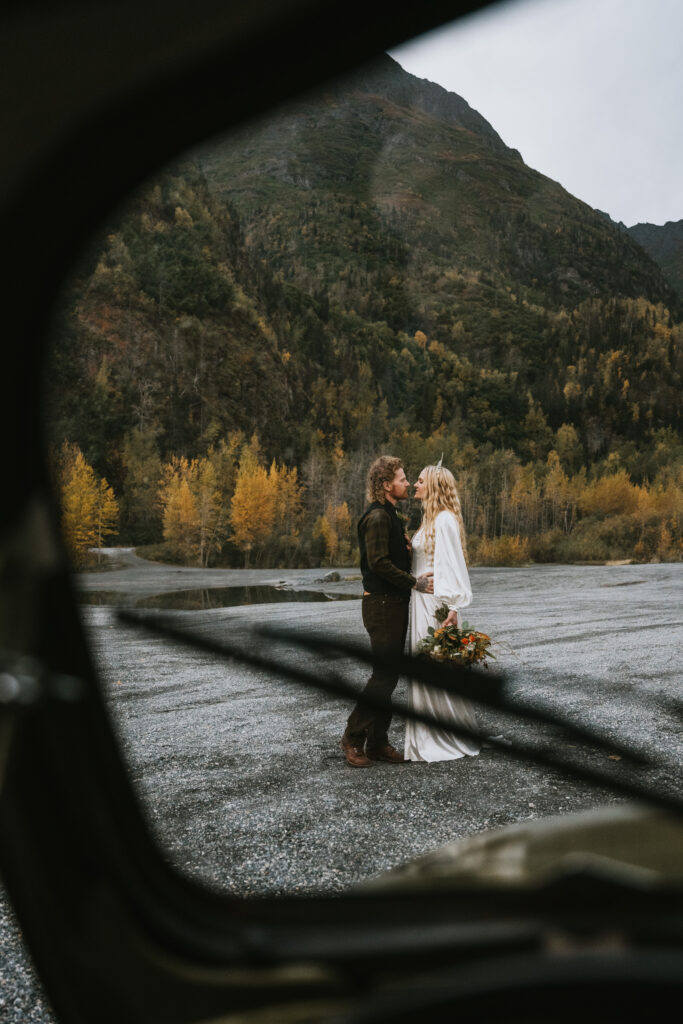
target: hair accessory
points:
(438, 465)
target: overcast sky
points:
(589, 91)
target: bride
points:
(439, 547)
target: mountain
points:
(372, 267)
(391, 177)
(665, 245)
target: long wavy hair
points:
(440, 493)
(383, 470)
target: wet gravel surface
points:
(240, 773)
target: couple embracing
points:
(404, 583)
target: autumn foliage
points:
(231, 507)
(193, 515)
(89, 509)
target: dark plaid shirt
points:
(376, 535)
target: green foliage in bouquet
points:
(449, 643)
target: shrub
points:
(504, 550)
(545, 547)
(610, 495)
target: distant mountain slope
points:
(665, 246)
(386, 177)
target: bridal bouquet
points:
(450, 643)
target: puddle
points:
(210, 597)
(98, 597)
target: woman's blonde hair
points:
(440, 493)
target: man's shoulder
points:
(376, 509)
(374, 514)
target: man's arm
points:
(377, 530)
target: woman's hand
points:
(451, 619)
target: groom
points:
(387, 581)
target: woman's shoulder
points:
(446, 525)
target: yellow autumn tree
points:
(254, 504)
(558, 493)
(90, 511)
(334, 526)
(610, 495)
(193, 509)
(106, 513)
(288, 497)
(180, 516)
(211, 509)
(660, 519)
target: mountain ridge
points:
(387, 78)
(441, 186)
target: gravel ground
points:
(240, 772)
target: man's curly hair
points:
(383, 470)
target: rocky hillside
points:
(665, 245)
(388, 183)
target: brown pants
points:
(386, 619)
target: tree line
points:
(231, 507)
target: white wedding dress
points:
(452, 588)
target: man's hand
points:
(425, 583)
(451, 619)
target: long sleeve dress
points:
(452, 588)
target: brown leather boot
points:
(353, 753)
(385, 752)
